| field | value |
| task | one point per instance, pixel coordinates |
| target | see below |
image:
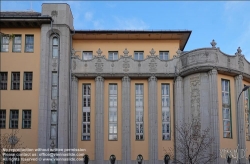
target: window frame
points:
(15, 81)
(113, 112)
(138, 53)
(165, 109)
(54, 87)
(3, 119)
(138, 109)
(55, 46)
(53, 124)
(112, 55)
(164, 55)
(26, 119)
(226, 106)
(29, 44)
(13, 119)
(88, 54)
(2, 81)
(27, 81)
(4, 44)
(86, 109)
(15, 44)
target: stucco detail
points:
(126, 133)
(240, 115)
(99, 120)
(214, 113)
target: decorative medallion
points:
(152, 66)
(152, 52)
(125, 65)
(99, 52)
(13, 140)
(166, 64)
(99, 65)
(125, 52)
(112, 65)
(85, 64)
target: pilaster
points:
(213, 96)
(126, 144)
(99, 120)
(241, 135)
(152, 118)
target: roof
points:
(19, 13)
(182, 35)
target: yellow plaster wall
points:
(139, 147)
(164, 145)
(227, 142)
(112, 147)
(88, 145)
(22, 99)
(132, 45)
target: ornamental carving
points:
(126, 79)
(74, 65)
(195, 96)
(152, 66)
(99, 65)
(241, 63)
(125, 65)
(53, 105)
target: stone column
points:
(126, 144)
(74, 114)
(241, 135)
(214, 110)
(99, 120)
(153, 121)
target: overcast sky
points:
(228, 22)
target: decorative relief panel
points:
(195, 96)
(152, 65)
(125, 65)
(99, 65)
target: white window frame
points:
(163, 55)
(226, 108)
(139, 112)
(87, 55)
(113, 124)
(5, 43)
(3, 80)
(14, 115)
(17, 43)
(54, 85)
(2, 119)
(15, 81)
(113, 55)
(165, 104)
(29, 43)
(139, 55)
(86, 105)
(27, 80)
(26, 119)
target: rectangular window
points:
(113, 55)
(55, 47)
(165, 112)
(17, 40)
(247, 113)
(4, 44)
(54, 85)
(226, 109)
(26, 123)
(86, 112)
(2, 119)
(14, 119)
(29, 43)
(53, 126)
(138, 55)
(3, 80)
(139, 134)
(113, 112)
(15, 80)
(87, 55)
(27, 81)
(164, 55)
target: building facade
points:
(116, 92)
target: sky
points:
(227, 22)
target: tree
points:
(192, 144)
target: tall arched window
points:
(55, 47)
